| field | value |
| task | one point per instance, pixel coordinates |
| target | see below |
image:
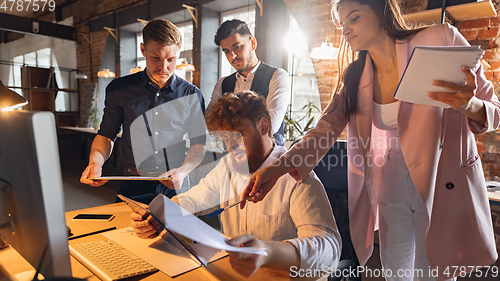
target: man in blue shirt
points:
(156, 109)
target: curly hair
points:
(227, 112)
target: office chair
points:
(332, 172)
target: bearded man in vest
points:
(239, 45)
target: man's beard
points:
(254, 158)
(255, 155)
(244, 67)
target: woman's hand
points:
(259, 186)
(264, 180)
(463, 99)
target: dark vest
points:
(260, 85)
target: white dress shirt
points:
(298, 213)
(277, 99)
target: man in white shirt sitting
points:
(239, 46)
(294, 223)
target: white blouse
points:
(385, 116)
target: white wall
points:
(64, 51)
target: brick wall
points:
(315, 22)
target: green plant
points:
(94, 118)
(293, 128)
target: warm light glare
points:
(10, 100)
(325, 52)
(185, 66)
(11, 108)
(106, 73)
(135, 70)
(295, 42)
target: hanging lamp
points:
(10, 100)
(135, 70)
(105, 73)
(185, 66)
(326, 51)
(80, 75)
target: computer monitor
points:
(31, 195)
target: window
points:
(246, 14)
(303, 83)
(186, 30)
(15, 73)
(140, 61)
(66, 100)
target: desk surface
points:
(218, 270)
(494, 196)
(84, 130)
(79, 129)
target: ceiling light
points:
(185, 66)
(80, 75)
(106, 73)
(10, 100)
(135, 70)
(325, 52)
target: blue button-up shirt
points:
(133, 96)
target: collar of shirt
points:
(250, 75)
(275, 154)
(145, 80)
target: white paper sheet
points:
(130, 178)
(184, 223)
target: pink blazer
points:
(441, 154)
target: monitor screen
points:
(31, 194)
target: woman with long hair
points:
(414, 171)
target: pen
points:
(92, 233)
(216, 212)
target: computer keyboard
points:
(109, 261)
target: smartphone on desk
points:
(94, 217)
